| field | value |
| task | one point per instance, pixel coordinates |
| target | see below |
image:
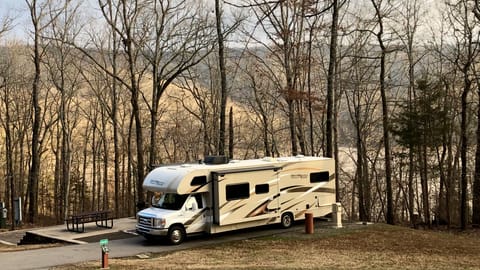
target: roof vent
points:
(211, 160)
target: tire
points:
(286, 220)
(176, 235)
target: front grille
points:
(146, 221)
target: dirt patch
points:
(365, 247)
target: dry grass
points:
(372, 247)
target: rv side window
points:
(261, 189)
(319, 177)
(198, 181)
(237, 191)
(198, 197)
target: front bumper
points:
(143, 230)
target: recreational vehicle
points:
(218, 195)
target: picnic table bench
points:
(101, 219)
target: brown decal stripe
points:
(260, 210)
(288, 201)
(324, 189)
(301, 213)
(199, 187)
(190, 221)
(300, 189)
(233, 209)
(286, 188)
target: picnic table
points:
(101, 219)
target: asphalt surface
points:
(131, 246)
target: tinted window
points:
(198, 181)
(263, 188)
(198, 197)
(238, 191)
(171, 201)
(319, 177)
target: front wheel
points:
(287, 220)
(176, 235)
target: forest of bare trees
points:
(94, 94)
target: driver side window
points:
(191, 204)
(198, 197)
(194, 202)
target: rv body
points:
(213, 198)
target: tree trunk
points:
(476, 181)
(424, 181)
(389, 216)
(33, 176)
(291, 121)
(331, 78)
(9, 157)
(223, 78)
(463, 154)
(230, 134)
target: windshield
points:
(170, 201)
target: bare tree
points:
(283, 24)
(7, 126)
(465, 54)
(129, 14)
(5, 26)
(181, 36)
(380, 14)
(331, 78)
(39, 23)
(409, 20)
(476, 181)
(223, 77)
(362, 103)
(262, 101)
(62, 73)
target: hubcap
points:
(287, 221)
(176, 236)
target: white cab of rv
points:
(218, 195)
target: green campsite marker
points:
(103, 242)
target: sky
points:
(15, 9)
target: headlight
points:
(159, 222)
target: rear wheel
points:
(176, 235)
(287, 220)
